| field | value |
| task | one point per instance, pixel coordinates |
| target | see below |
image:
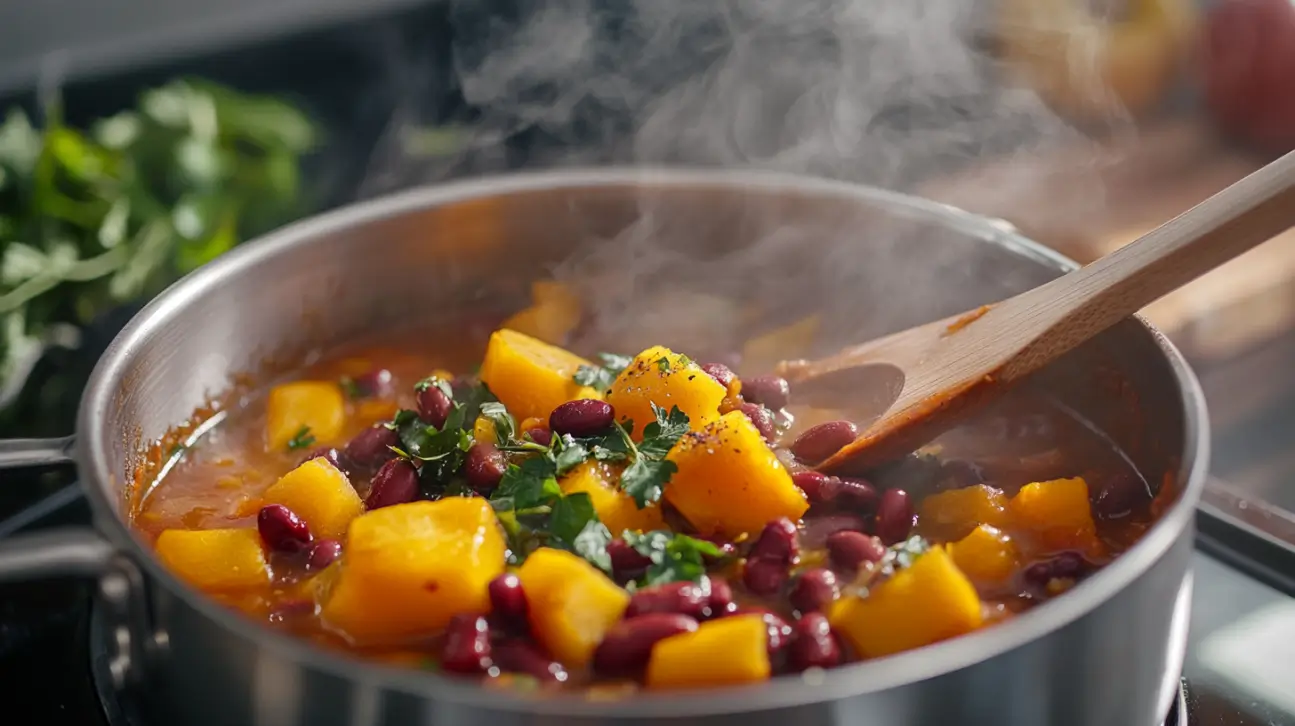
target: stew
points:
(622, 522)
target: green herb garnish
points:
(439, 451)
(675, 557)
(646, 476)
(350, 388)
(534, 513)
(505, 426)
(602, 377)
(301, 439)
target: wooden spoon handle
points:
(1076, 306)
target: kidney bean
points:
(1064, 565)
(627, 563)
(329, 454)
(626, 647)
(764, 577)
(467, 644)
(813, 590)
(721, 601)
(434, 406)
(819, 527)
(508, 601)
(484, 466)
(848, 551)
(772, 392)
(371, 447)
(518, 656)
(584, 417)
(395, 483)
(722, 374)
(895, 516)
(684, 598)
(374, 382)
(322, 554)
(823, 440)
(1115, 497)
(761, 418)
(857, 494)
(779, 630)
(813, 484)
(281, 529)
(777, 542)
(540, 435)
(812, 644)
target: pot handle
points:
(15, 453)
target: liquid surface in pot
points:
(620, 522)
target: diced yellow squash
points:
(660, 376)
(1055, 515)
(320, 494)
(953, 514)
(616, 509)
(987, 555)
(215, 559)
(293, 407)
(408, 568)
(483, 429)
(925, 603)
(531, 377)
(729, 481)
(554, 312)
(724, 652)
(763, 352)
(572, 604)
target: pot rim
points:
(781, 692)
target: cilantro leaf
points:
(645, 479)
(646, 476)
(661, 435)
(301, 439)
(476, 397)
(601, 377)
(674, 557)
(532, 483)
(574, 525)
(902, 554)
(505, 426)
(440, 450)
(568, 453)
(350, 388)
(591, 544)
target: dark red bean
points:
(777, 542)
(849, 551)
(812, 644)
(508, 601)
(762, 419)
(322, 554)
(684, 598)
(281, 529)
(395, 483)
(626, 647)
(518, 656)
(541, 436)
(779, 630)
(856, 494)
(721, 601)
(722, 374)
(584, 417)
(813, 484)
(1064, 565)
(819, 528)
(895, 516)
(329, 454)
(371, 447)
(434, 406)
(484, 466)
(813, 590)
(823, 440)
(772, 392)
(764, 577)
(627, 563)
(375, 382)
(467, 644)
(1115, 497)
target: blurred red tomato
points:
(1249, 66)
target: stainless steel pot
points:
(1108, 653)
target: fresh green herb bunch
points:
(92, 219)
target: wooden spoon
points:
(935, 374)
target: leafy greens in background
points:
(93, 219)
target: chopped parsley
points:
(534, 513)
(350, 388)
(301, 439)
(496, 414)
(601, 377)
(674, 557)
(439, 451)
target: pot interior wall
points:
(697, 261)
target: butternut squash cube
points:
(729, 481)
(616, 509)
(320, 494)
(554, 312)
(928, 602)
(723, 652)
(987, 555)
(953, 514)
(294, 407)
(1056, 515)
(408, 568)
(215, 559)
(661, 376)
(531, 377)
(572, 604)
(483, 429)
